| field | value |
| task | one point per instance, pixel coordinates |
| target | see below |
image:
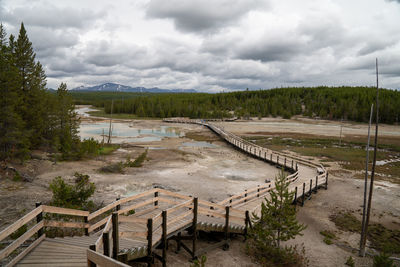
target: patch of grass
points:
(328, 236)
(382, 238)
(117, 167)
(108, 149)
(196, 136)
(346, 221)
(17, 177)
(20, 231)
(138, 162)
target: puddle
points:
(199, 144)
(123, 132)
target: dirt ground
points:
(214, 173)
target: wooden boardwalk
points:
(139, 227)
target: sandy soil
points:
(213, 174)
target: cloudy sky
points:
(212, 45)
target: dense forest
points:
(31, 117)
(348, 103)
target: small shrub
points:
(72, 196)
(328, 236)
(138, 162)
(20, 231)
(328, 241)
(200, 263)
(113, 168)
(382, 260)
(131, 212)
(17, 177)
(350, 261)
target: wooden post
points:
(245, 195)
(39, 218)
(226, 246)
(258, 190)
(326, 181)
(92, 264)
(86, 228)
(285, 163)
(118, 207)
(295, 196)
(106, 244)
(292, 164)
(156, 195)
(316, 184)
(178, 243)
(195, 206)
(277, 159)
(310, 192)
(164, 238)
(265, 155)
(304, 194)
(149, 241)
(115, 235)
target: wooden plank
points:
(133, 234)
(8, 250)
(20, 222)
(180, 217)
(98, 224)
(138, 205)
(173, 194)
(132, 219)
(66, 224)
(64, 211)
(179, 206)
(26, 251)
(167, 200)
(210, 212)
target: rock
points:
(26, 177)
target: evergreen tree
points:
(277, 221)
(12, 140)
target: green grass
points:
(201, 138)
(108, 149)
(350, 155)
(138, 162)
(382, 238)
(328, 237)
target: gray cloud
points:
(202, 15)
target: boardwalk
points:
(139, 227)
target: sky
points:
(212, 45)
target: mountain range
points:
(114, 87)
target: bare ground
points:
(213, 174)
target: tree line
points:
(334, 103)
(31, 117)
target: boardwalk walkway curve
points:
(138, 228)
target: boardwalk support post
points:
(106, 244)
(326, 181)
(149, 241)
(195, 209)
(258, 190)
(226, 245)
(85, 219)
(292, 165)
(164, 238)
(316, 184)
(118, 207)
(39, 218)
(92, 264)
(245, 195)
(247, 223)
(310, 191)
(304, 194)
(156, 196)
(295, 196)
(115, 235)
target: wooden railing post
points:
(156, 195)
(195, 208)
(277, 159)
(115, 235)
(245, 195)
(292, 165)
(316, 184)
(92, 264)
(150, 240)
(118, 207)
(164, 238)
(295, 196)
(310, 192)
(85, 219)
(226, 246)
(39, 218)
(326, 181)
(106, 244)
(258, 190)
(304, 194)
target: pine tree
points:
(277, 221)
(12, 139)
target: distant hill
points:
(114, 87)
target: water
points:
(122, 132)
(199, 144)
